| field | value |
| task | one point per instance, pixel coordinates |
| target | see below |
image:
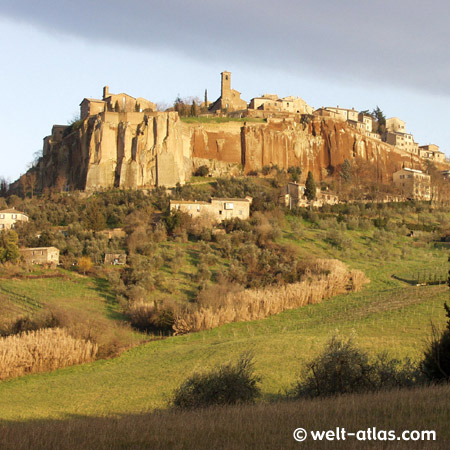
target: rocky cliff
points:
(141, 150)
(124, 150)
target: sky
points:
(361, 54)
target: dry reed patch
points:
(42, 351)
(260, 426)
(324, 279)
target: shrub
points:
(156, 316)
(343, 368)
(436, 362)
(202, 171)
(225, 385)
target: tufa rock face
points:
(124, 150)
(140, 150)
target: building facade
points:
(294, 197)
(41, 255)
(216, 210)
(413, 184)
(9, 217)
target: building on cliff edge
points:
(230, 99)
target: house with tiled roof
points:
(9, 217)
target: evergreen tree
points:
(310, 187)
(346, 171)
(9, 251)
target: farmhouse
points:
(40, 255)
(9, 217)
(414, 184)
(217, 209)
(294, 197)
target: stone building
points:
(115, 258)
(40, 255)
(114, 103)
(395, 125)
(217, 209)
(294, 197)
(230, 99)
(272, 104)
(413, 184)
(431, 152)
(9, 217)
(403, 141)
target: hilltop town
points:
(124, 142)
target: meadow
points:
(391, 314)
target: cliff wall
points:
(141, 150)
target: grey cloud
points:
(405, 42)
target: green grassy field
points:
(391, 314)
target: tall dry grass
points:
(260, 426)
(324, 278)
(42, 351)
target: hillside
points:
(390, 314)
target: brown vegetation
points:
(42, 351)
(324, 279)
(260, 426)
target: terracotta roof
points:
(38, 248)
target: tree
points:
(9, 251)
(346, 171)
(436, 363)
(4, 186)
(295, 173)
(85, 264)
(379, 116)
(310, 187)
(194, 109)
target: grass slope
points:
(391, 315)
(263, 426)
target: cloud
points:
(401, 43)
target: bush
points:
(225, 385)
(202, 171)
(343, 368)
(436, 363)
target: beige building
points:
(114, 103)
(367, 122)
(343, 113)
(217, 209)
(395, 125)
(230, 99)
(271, 103)
(403, 141)
(40, 255)
(432, 152)
(9, 217)
(294, 197)
(414, 184)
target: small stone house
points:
(115, 258)
(217, 209)
(294, 197)
(9, 217)
(41, 255)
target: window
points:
(189, 207)
(198, 207)
(229, 206)
(2, 226)
(14, 216)
(240, 212)
(2, 216)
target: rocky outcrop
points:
(124, 150)
(142, 150)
